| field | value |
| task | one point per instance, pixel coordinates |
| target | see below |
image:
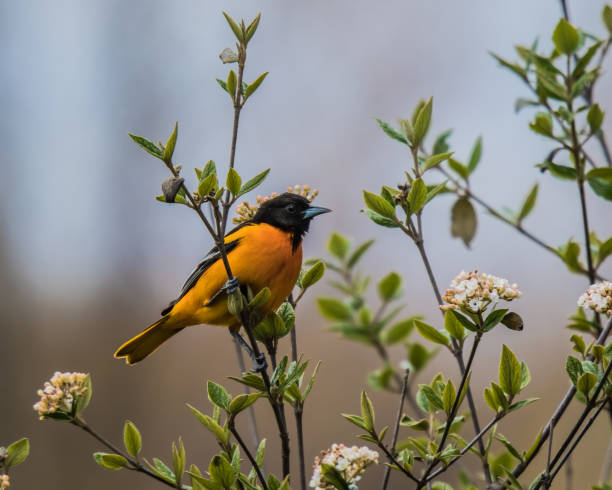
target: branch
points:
(136, 466)
(397, 424)
(244, 447)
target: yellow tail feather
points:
(147, 342)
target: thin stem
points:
(578, 439)
(453, 412)
(394, 461)
(477, 437)
(559, 411)
(300, 437)
(546, 479)
(79, 422)
(251, 410)
(419, 242)
(244, 447)
(396, 427)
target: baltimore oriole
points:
(265, 251)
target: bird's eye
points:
(291, 208)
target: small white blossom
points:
(598, 297)
(351, 462)
(60, 393)
(4, 482)
(473, 292)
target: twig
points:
(559, 411)
(244, 447)
(396, 427)
(136, 466)
(251, 409)
(578, 439)
(476, 438)
(453, 412)
(394, 461)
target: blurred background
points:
(89, 258)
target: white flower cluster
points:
(246, 211)
(473, 292)
(351, 462)
(4, 482)
(60, 393)
(598, 297)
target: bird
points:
(264, 251)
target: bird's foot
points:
(259, 364)
(231, 285)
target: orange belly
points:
(263, 258)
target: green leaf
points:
(253, 183)
(453, 326)
(586, 382)
(147, 145)
(441, 145)
(475, 155)
(17, 452)
(494, 318)
(448, 396)
(242, 402)
(434, 160)
(367, 412)
(235, 27)
(511, 449)
(378, 204)
(511, 66)
(170, 144)
(525, 375)
(595, 117)
(574, 369)
(334, 477)
(220, 434)
(434, 401)
(255, 85)
(218, 395)
(542, 124)
(355, 419)
(178, 460)
(559, 171)
(467, 323)
(234, 182)
(380, 378)
(131, 438)
(261, 298)
(417, 196)
(110, 461)
(380, 220)
(389, 286)
(458, 167)
(334, 309)
(358, 253)
(570, 252)
(338, 245)
(392, 132)
(313, 275)
(422, 122)
(398, 332)
(528, 204)
(510, 372)
(605, 250)
(499, 395)
(82, 401)
(566, 37)
(463, 220)
(606, 16)
(579, 344)
(221, 471)
(491, 399)
(431, 334)
(206, 185)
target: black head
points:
(289, 212)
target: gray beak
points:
(313, 211)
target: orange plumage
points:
(266, 252)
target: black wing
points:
(209, 260)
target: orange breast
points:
(263, 258)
